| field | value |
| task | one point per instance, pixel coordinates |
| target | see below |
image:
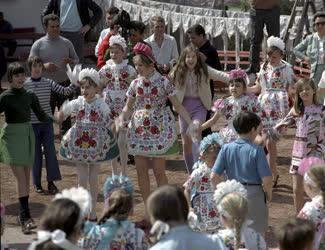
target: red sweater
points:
(103, 47)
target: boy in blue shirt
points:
(246, 162)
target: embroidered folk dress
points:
(113, 234)
(250, 239)
(273, 99)
(314, 211)
(90, 139)
(199, 184)
(116, 78)
(230, 107)
(310, 134)
(152, 129)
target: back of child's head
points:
(179, 71)
(34, 60)
(62, 214)
(14, 68)
(315, 178)
(238, 75)
(244, 122)
(167, 204)
(300, 85)
(120, 204)
(296, 234)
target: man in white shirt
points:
(164, 46)
(110, 14)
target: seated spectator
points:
(164, 46)
(6, 28)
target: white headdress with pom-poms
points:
(225, 188)
(79, 195)
(91, 73)
(117, 39)
(273, 41)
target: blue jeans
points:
(44, 136)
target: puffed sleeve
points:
(131, 93)
(91, 236)
(169, 88)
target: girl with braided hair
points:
(230, 198)
(314, 182)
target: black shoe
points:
(52, 189)
(39, 189)
(25, 227)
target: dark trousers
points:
(44, 136)
(11, 45)
(56, 101)
(259, 18)
(208, 131)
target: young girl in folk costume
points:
(17, 137)
(114, 230)
(191, 76)
(62, 221)
(168, 211)
(90, 140)
(117, 75)
(198, 188)
(314, 180)
(309, 118)
(152, 130)
(230, 199)
(274, 79)
(239, 101)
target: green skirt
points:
(172, 151)
(17, 144)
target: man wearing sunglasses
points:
(312, 49)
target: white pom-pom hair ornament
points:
(273, 41)
(117, 39)
(91, 73)
(79, 195)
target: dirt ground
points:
(280, 208)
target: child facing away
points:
(239, 101)
(199, 190)
(117, 75)
(245, 162)
(230, 199)
(296, 234)
(309, 118)
(17, 139)
(114, 230)
(90, 140)
(44, 134)
(314, 183)
(168, 211)
(274, 79)
(152, 134)
(191, 76)
(62, 221)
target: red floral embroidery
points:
(85, 136)
(93, 115)
(109, 75)
(139, 130)
(154, 91)
(212, 214)
(205, 179)
(146, 83)
(146, 122)
(140, 91)
(81, 114)
(147, 106)
(124, 74)
(154, 130)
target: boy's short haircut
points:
(296, 234)
(34, 60)
(50, 17)
(157, 19)
(14, 69)
(245, 121)
(112, 10)
(318, 14)
(196, 29)
(138, 26)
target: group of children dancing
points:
(122, 110)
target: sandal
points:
(275, 180)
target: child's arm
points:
(57, 88)
(218, 75)
(180, 109)
(209, 123)
(126, 113)
(267, 186)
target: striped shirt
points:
(42, 88)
